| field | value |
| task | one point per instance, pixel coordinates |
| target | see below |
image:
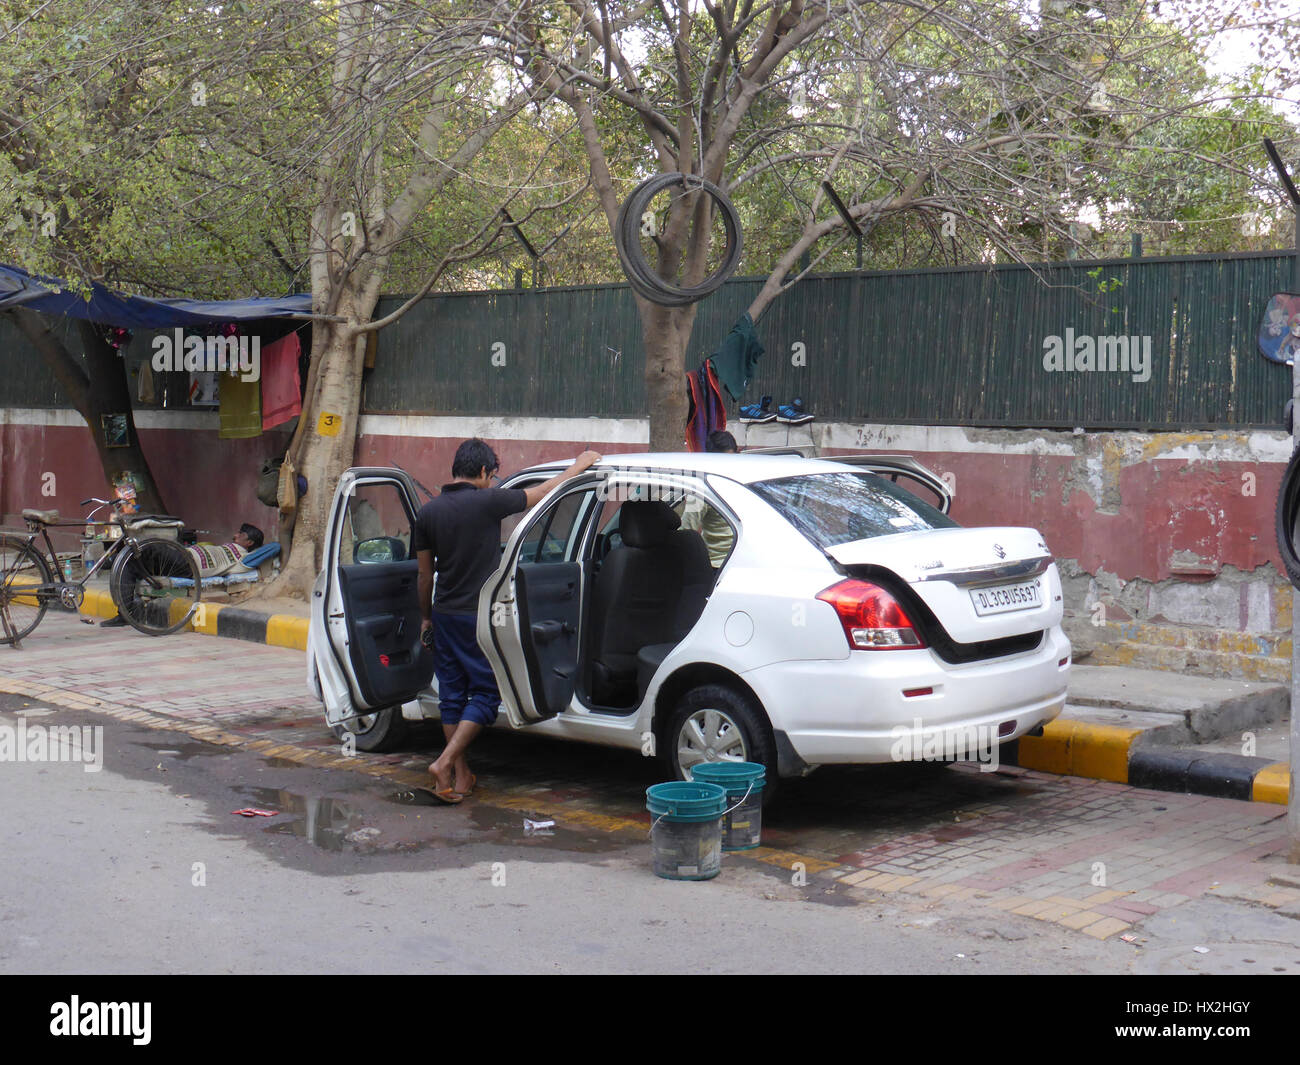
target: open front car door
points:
(365, 608)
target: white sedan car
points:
(840, 618)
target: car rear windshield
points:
(838, 508)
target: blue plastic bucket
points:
(742, 825)
(687, 830)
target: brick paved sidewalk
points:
(1089, 855)
(1086, 854)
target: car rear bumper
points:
(872, 707)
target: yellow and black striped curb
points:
(1108, 752)
(221, 619)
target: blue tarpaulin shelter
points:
(20, 289)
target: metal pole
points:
(1293, 802)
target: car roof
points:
(744, 468)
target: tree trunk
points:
(667, 332)
(96, 386)
(320, 457)
(109, 393)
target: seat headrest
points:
(647, 524)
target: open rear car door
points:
(530, 609)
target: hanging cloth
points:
(737, 359)
(241, 407)
(706, 410)
(144, 384)
(281, 391)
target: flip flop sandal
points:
(473, 783)
(451, 798)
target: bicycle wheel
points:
(156, 586)
(22, 570)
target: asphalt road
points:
(142, 867)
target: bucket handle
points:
(742, 799)
(724, 813)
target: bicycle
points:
(154, 583)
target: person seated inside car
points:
(718, 535)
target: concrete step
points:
(1272, 664)
(1262, 653)
(1173, 708)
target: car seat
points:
(649, 593)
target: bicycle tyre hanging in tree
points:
(641, 275)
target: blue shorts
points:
(467, 687)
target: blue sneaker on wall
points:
(793, 413)
(758, 412)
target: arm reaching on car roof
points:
(538, 492)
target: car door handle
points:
(548, 631)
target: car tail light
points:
(873, 620)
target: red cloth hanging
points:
(281, 391)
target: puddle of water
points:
(330, 824)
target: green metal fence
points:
(952, 346)
(955, 346)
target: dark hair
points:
(253, 533)
(720, 440)
(472, 458)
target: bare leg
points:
(463, 777)
(442, 778)
(451, 770)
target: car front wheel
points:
(384, 730)
(714, 723)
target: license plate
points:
(1004, 598)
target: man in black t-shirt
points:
(458, 537)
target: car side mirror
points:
(380, 549)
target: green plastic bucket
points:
(742, 825)
(687, 830)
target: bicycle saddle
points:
(49, 517)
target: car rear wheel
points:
(715, 723)
(384, 730)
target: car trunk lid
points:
(980, 584)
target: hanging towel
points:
(241, 407)
(281, 392)
(738, 357)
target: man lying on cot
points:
(215, 560)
